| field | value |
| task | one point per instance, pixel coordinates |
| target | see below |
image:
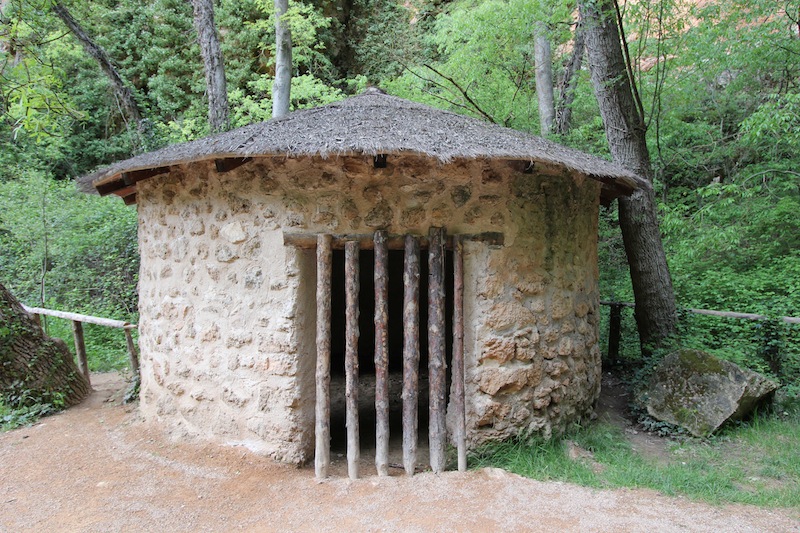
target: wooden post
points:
(80, 349)
(133, 355)
(410, 352)
(322, 428)
(614, 321)
(458, 353)
(381, 354)
(351, 253)
(437, 428)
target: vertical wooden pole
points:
(410, 352)
(351, 252)
(381, 354)
(80, 349)
(458, 352)
(614, 322)
(437, 428)
(322, 427)
(133, 355)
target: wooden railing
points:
(77, 333)
(615, 319)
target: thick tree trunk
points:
(33, 362)
(543, 58)
(566, 96)
(281, 87)
(216, 87)
(625, 129)
(124, 94)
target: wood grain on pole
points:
(381, 354)
(80, 318)
(614, 323)
(437, 386)
(458, 354)
(80, 349)
(351, 252)
(322, 426)
(133, 355)
(410, 352)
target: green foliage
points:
(62, 249)
(751, 463)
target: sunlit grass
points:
(754, 463)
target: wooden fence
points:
(77, 333)
(615, 320)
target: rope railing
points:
(77, 334)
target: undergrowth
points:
(19, 407)
(749, 463)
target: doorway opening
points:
(366, 354)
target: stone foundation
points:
(228, 312)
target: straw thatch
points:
(371, 123)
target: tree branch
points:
(464, 94)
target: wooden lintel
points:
(127, 179)
(308, 241)
(230, 163)
(126, 191)
(130, 199)
(136, 176)
(104, 189)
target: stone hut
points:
(240, 236)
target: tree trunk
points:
(569, 83)
(216, 87)
(656, 315)
(125, 96)
(281, 88)
(33, 362)
(543, 58)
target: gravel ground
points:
(97, 467)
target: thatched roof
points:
(371, 123)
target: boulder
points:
(699, 392)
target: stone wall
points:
(227, 311)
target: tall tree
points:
(123, 92)
(34, 367)
(543, 58)
(569, 82)
(216, 88)
(282, 86)
(623, 118)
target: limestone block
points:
(413, 217)
(460, 195)
(503, 379)
(505, 315)
(700, 392)
(233, 232)
(499, 349)
(560, 306)
(225, 254)
(492, 412)
(379, 216)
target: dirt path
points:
(97, 467)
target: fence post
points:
(614, 332)
(132, 353)
(80, 349)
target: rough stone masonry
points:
(228, 312)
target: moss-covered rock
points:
(699, 392)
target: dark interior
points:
(366, 345)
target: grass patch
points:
(750, 463)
